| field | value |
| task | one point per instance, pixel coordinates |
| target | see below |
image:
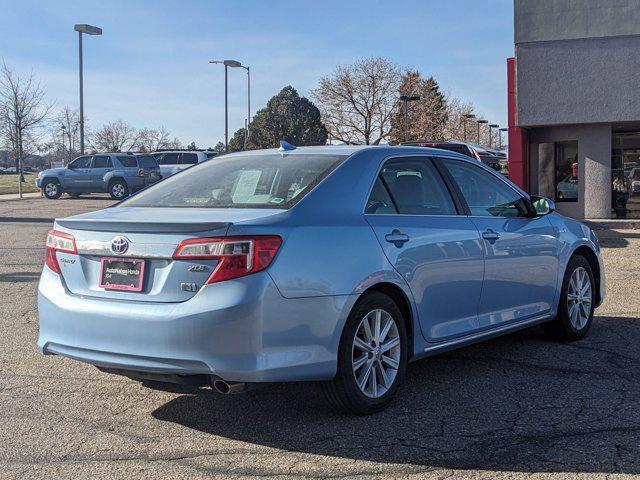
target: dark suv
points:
(118, 174)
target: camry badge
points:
(119, 245)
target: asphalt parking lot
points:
(514, 407)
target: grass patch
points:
(9, 183)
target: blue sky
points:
(151, 68)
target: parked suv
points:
(118, 174)
(473, 150)
(176, 160)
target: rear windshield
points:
(147, 161)
(249, 181)
(127, 161)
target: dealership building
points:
(574, 105)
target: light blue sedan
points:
(332, 264)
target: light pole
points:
(233, 64)
(500, 135)
(406, 99)
(89, 30)
(479, 122)
(465, 117)
(491, 127)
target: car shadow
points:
(517, 403)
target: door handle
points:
(490, 235)
(397, 238)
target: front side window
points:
(485, 194)
(566, 171)
(189, 159)
(410, 186)
(247, 181)
(80, 162)
(101, 161)
(169, 159)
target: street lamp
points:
(491, 127)
(466, 116)
(89, 30)
(500, 135)
(479, 122)
(234, 64)
(406, 99)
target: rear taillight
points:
(236, 256)
(141, 172)
(58, 242)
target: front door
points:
(521, 253)
(437, 251)
(77, 177)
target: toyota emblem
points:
(119, 245)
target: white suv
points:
(174, 161)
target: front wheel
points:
(52, 189)
(118, 189)
(577, 303)
(372, 357)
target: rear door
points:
(436, 250)
(521, 253)
(102, 164)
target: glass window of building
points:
(567, 171)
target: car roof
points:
(349, 150)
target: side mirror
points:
(542, 205)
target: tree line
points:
(354, 104)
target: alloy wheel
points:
(51, 189)
(118, 190)
(579, 298)
(376, 353)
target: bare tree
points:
(357, 101)
(115, 136)
(70, 119)
(150, 140)
(23, 111)
(457, 124)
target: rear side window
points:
(485, 194)
(127, 161)
(147, 161)
(102, 161)
(241, 181)
(414, 187)
(189, 158)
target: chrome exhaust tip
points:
(228, 388)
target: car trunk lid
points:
(152, 236)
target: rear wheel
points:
(577, 303)
(52, 189)
(372, 357)
(118, 189)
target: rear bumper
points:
(240, 330)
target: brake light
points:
(141, 172)
(58, 242)
(237, 256)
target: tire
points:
(573, 323)
(118, 189)
(52, 189)
(343, 392)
